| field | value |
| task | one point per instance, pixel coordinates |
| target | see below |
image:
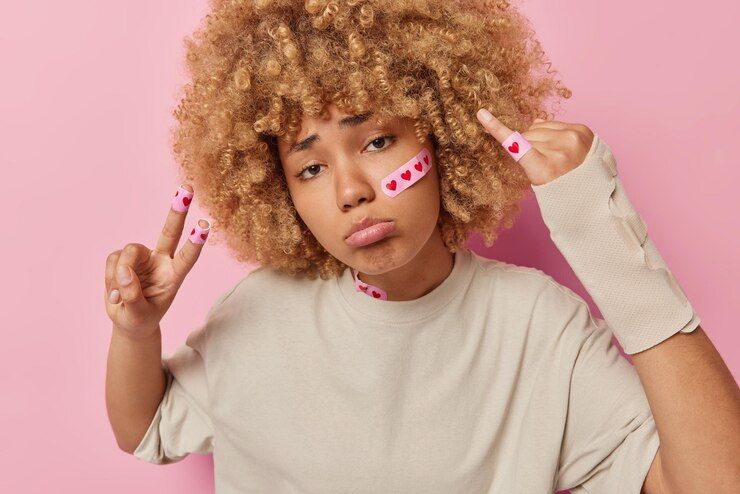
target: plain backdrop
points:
(87, 91)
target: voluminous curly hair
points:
(257, 66)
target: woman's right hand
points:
(137, 305)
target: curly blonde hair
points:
(257, 66)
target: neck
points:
(427, 270)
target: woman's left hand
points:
(557, 147)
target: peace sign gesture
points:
(548, 149)
(140, 284)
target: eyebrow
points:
(351, 121)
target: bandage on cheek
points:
(370, 290)
(407, 174)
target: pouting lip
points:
(356, 227)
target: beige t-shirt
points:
(499, 380)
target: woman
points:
(324, 136)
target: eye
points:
(306, 168)
(383, 138)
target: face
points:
(335, 180)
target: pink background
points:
(87, 92)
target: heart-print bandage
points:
(182, 199)
(199, 235)
(369, 290)
(516, 145)
(407, 174)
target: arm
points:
(693, 397)
(134, 386)
(696, 405)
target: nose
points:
(353, 186)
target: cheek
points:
(311, 207)
(407, 175)
(420, 203)
(314, 206)
(419, 199)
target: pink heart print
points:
(513, 146)
(182, 200)
(199, 235)
(407, 174)
(369, 290)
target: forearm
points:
(696, 405)
(134, 386)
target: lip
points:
(361, 225)
(374, 231)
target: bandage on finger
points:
(516, 145)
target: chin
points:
(380, 257)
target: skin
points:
(344, 187)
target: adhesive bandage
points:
(407, 174)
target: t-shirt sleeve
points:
(182, 424)
(610, 438)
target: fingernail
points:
(485, 115)
(181, 201)
(113, 297)
(124, 278)
(199, 234)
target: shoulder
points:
(509, 271)
(266, 285)
(524, 281)
(257, 285)
(260, 298)
(545, 301)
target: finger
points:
(132, 296)
(540, 134)
(110, 276)
(550, 124)
(190, 251)
(112, 297)
(172, 230)
(112, 304)
(531, 159)
(493, 125)
(132, 256)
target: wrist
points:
(140, 336)
(605, 241)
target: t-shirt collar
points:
(406, 311)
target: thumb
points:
(131, 294)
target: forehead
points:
(336, 119)
(309, 127)
(332, 115)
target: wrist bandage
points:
(605, 241)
